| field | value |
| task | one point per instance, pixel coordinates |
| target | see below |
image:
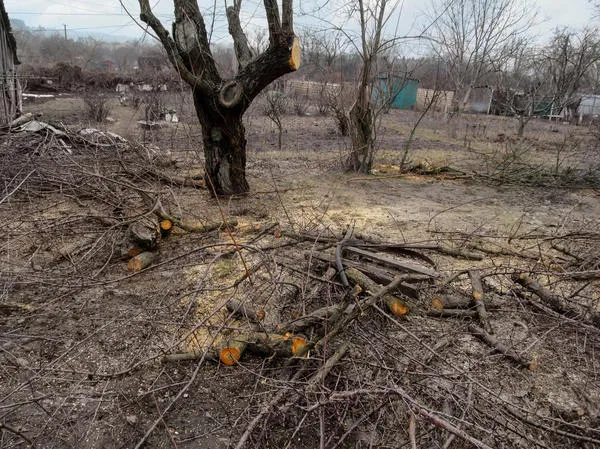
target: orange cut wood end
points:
(132, 252)
(134, 265)
(229, 356)
(437, 303)
(477, 295)
(298, 345)
(398, 308)
(166, 225)
(277, 234)
(260, 315)
(532, 366)
(295, 54)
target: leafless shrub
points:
(276, 104)
(154, 106)
(514, 162)
(96, 106)
(300, 104)
(337, 106)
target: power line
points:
(78, 14)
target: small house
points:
(10, 91)
(397, 91)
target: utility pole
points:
(65, 25)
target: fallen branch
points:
(393, 263)
(478, 301)
(501, 348)
(376, 273)
(320, 375)
(196, 226)
(439, 422)
(450, 251)
(554, 301)
(354, 311)
(395, 306)
(193, 225)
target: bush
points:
(96, 107)
(301, 105)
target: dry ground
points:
(81, 338)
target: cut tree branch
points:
(148, 17)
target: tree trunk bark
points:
(224, 139)
(521, 128)
(361, 133)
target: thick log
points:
(195, 226)
(140, 261)
(144, 234)
(478, 301)
(393, 263)
(395, 306)
(501, 348)
(230, 349)
(166, 226)
(450, 302)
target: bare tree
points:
(567, 59)
(371, 46)
(220, 103)
(473, 36)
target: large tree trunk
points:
(224, 139)
(220, 103)
(361, 133)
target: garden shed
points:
(397, 90)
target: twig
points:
(8, 195)
(265, 410)
(318, 377)
(16, 432)
(158, 420)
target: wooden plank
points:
(396, 264)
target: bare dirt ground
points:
(82, 339)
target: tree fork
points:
(220, 103)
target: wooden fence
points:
(442, 103)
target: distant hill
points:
(19, 24)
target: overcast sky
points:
(109, 17)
